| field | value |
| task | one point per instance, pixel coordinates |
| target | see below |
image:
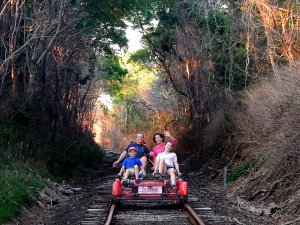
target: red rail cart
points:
(149, 189)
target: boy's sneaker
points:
(125, 182)
(139, 180)
(140, 174)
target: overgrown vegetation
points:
(19, 182)
(268, 130)
(66, 157)
(27, 161)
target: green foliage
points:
(65, 157)
(19, 184)
(105, 19)
(24, 138)
(239, 172)
(225, 49)
(227, 68)
(163, 36)
(114, 73)
(6, 133)
(137, 118)
(133, 87)
(141, 56)
(144, 11)
(229, 56)
(167, 17)
(15, 138)
(113, 68)
(219, 22)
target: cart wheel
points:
(184, 200)
(114, 200)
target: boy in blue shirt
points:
(132, 166)
(141, 152)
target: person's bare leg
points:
(144, 164)
(162, 167)
(171, 173)
(136, 171)
(126, 174)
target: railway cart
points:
(149, 189)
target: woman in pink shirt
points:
(159, 138)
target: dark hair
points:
(161, 135)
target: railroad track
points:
(102, 211)
(147, 212)
(154, 215)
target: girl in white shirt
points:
(165, 162)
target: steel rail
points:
(194, 214)
(186, 206)
(110, 214)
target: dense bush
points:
(65, 157)
(19, 183)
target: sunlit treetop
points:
(136, 83)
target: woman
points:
(165, 163)
(159, 138)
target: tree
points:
(49, 63)
(279, 21)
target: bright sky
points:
(134, 38)
(106, 100)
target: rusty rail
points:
(194, 214)
(190, 210)
(110, 214)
